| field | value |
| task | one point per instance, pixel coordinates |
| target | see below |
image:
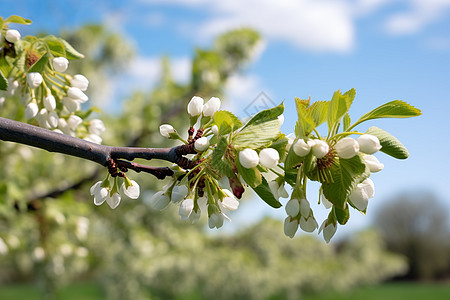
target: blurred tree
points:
(416, 226)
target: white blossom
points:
(195, 106)
(60, 64)
(100, 193)
(131, 191)
(50, 102)
(309, 224)
(302, 148)
(269, 158)
(292, 207)
(202, 144)
(320, 148)
(166, 130)
(290, 142)
(305, 207)
(248, 158)
(362, 193)
(179, 192)
(373, 163)
(73, 122)
(159, 200)
(368, 143)
(215, 220)
(229, 202)
(93, 138)
(12, 35)
(290, 227)
(113, 200)
(186, 207)
(325, 201)
(329, 229)
(215, 129)
(52, 119)
(278, 190)
(77, 94)
(63, 126)
(210, 107)
(34, 79)
(31, 110)
(195, 216)
(72, 105)
(79, 81)
(42, 118)
(347, 148)
(96, 127)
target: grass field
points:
(390, 291)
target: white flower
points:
(195, 106)
(308, 225)
(166, 130)
(159, 200)
(292, 208)
(93, 138)
(305, 207)
(202, 202)
(215, 220)
(290, 142)
(215, 129)
(362, 193)
(12, 35)
(96, 127)
(31, 110)
(229, 202)
(248, 158)
(373, 163)
(202, 144)
(50, 102)
(269, 158)
(114, 200)
(278, 190)
(211, 107)
(60, 64)
(34, 79)
(186, 207)
(290, 227)
(179, 192)
(131, 191)
(302, 148)
(79, 81)
(62, 124)
(77, 94)
(42, 118)
(347, 148)
(52, 119)
(74, 121)
(368, 143)
(329, 229)
(100, 193)
(72, 105)
(195, 216)
(320, 148)
(325, 201)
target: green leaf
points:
(342, 214)
(346, 174)
(5, 66)
(264, 192)
(347, 121)
(18, 20)
(226, 122)
(40, 64)
(305, 123)
(3, 82)
(71, 53)
(265, 116)
(279, 144)
(389, 144)
(317, 112)
(339, 106)
(393, 109)
(310, 166)
(251, 176)
(291, 165)
(55, 45)
(1, 23)
(217, 158)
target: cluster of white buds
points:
(267, 157)
(299, 214)
(110, 192)
(318, 147)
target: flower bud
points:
(346, 148)
(96, 127)
(215, 129)
(74, 121)
(305, 207)
(302, 148)
(72, 105)
(308, 225)
(290, 142)
(269, 158)
(248, 158)
(373, 163)
(12, 35)
(325, 201)
(159, 200)
(292, 208)
(215, 220)
(31, 110)
(52, 119)
(132, 191)
(34, 79)
(93, 138)
(186, 208)
(79, 81)
(202, 144)
(166, 130)
(100, 193)
(50, 102)
(195, 106)
(179, 192)
(362, 193)
(229, 202)
(42, 117)
(290, 227)
(60, 64)
(113, 200)
(320, 148)
(368, 143)
(329, 229)
(77, 94)
(210, 108)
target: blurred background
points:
(145, 59)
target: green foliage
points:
(17, 19)
(389, 144)
(3, 82)
(226, 122)
(339, 106)
(265, 193)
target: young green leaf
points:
(263, 191)
(18, 20)
(3, 82)
(265, 116)
(389, 144)
(342, 214)
(40, 64)
(305, 123)
(317, 112)
(347, 121)
(339, 106)
(226, 122)
(55, 45)
(217, 158)
(291, 164)
(279, 144)
(71, 53)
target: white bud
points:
(195, 106)
(290, 142)
(290, 227)
(202, 144)
(328, 230)
(195, 216)
(179, 192)
(52, 119)
(159, 201)
(308, 225)
(72, 105)
(100, 193)
(166, 130)
(346, 148)
(74, 121)
(269, 158)
(50, 102)
(215, 220)
(292, 207)
(60, 64)
(210, 107)
(34, 79)
(42, 117)
(248, 158)
(362, 193)
(325, 201)
(229, 202)
(132, 191)
(12, 35)
(215, 129)
(368, 143)
(320, 148)
(93, 138)
(79, 81)
(96, 127)
(373, 163)
(31, 110)
(302, 148)
(114, 200)
(186, 208)
(77, 94)
(305, 207)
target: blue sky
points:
(386, 49)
